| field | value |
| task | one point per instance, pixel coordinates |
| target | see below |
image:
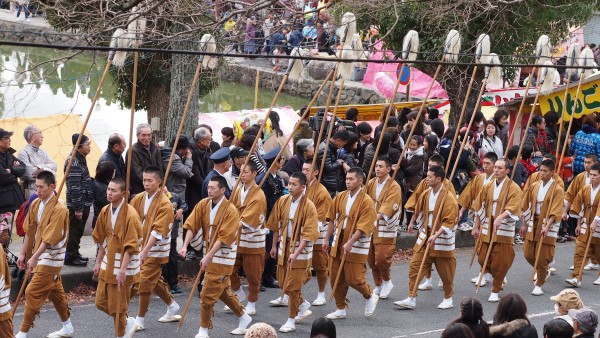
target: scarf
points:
(542, 140)
(410, 153)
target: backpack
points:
(20, 220)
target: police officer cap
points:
(272, 154)
(220, 155)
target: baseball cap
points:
(238, 152)
(586, 318)
(5, 133)
(568, 299)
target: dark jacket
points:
(100, 200)
(294, 164)
(518, 328)
(304, 131)
(201, 166)
(394, 151)
(12, 195)
(140, 159)
(348, 158)
(79, 184)
(464, 161)
(359, 153)
(520, 174)
(178, 203)
(273, 188)
(413, 171)
(329, 178)
(205, 185)
(180, 172)
(109, 155)
(586, 141)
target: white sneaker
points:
(279, 301)
(251, 308)
(377, 289)
(320, 299)
(591, 266)
(446, 304)
(303, 312)
(139, 324)
(386, 288)
(243, 324)
(171, 315)
(426, 285)
(535, 277)
(227, 309)
(474, 280)
(130, 327)
(440, 284)
(573, 282)
(289, 326)
(409, 303)
(241, 295)
(494, 298)
(371, 304)
(572, 267)
(21, 334)
(27, 20)
(66, 331)
(337, 314)
(537, 291)
(597, 281)
(202, 333)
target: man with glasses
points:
(144, 153)
(34, 158)
(79, 199)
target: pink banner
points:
(382, 77)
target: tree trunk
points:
(456, 82)
(183, 68)
(157, 105)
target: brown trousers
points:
(500, 261)
(6, 328)
(580, 246)
(380, 261)
(216, 287)
(151, 280)
(546, 255)
(107, 302)
(445, 266)
(292, 281)
(253, 265)
(319, 263)
(352, 275)
(44, 286)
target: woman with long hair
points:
(457, 330)
(510, 320)
(277, 138)
(490, 142)
(430, 143)
(471, 314)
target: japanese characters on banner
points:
(587, 102)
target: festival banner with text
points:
(587, 102)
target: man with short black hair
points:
(558, 328)
(181, 167)
(364, 131)
(520, 175)
(332, 165)
(221, 162)
(114, 154)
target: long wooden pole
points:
(539, 248)
(585, 254)
(293, 247)
(568, 132)
(511, 134)
(256, 89)
(331, 125)
(322, 127)
(560, 125)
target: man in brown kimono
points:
(535, 177)
(318, 194)
(497, 208)
(293, 222)
(212, 227)
(387, 195)
(46, 231)
(6, 317)
(585, 210)
(352, 216)
(156, 213)
(542, 209)
(436, 213)
(117, 264)
(251, 204)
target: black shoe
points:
(85, 259)
(262, 288)
(175, 290)
(191, 255)
(273, 284)
(75, 262)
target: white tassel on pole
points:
(452, 46)
(208, 44)
(118, 40)
(346, 69)
(573, 55)
(482, 51)
(543, 49)
(297, 67)
(410, 46)
(135, 29)
(348, 27)
(586, 59)
(547, 77)
(494, 73)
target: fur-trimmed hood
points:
(516, 328)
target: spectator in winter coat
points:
(511, 319)
(585, 322)
(537, 137)
(277, 138)
(305, 149)
(10, 170)
(105, 172)
(520, 175)
(34, 158)
(114, 153)
(144, 153)
(430, 143)
(501, 120)
(526, 160)
(490, 142)
(332, 165)
(79, 199)
(445, 146)
(181, 168)
(346, 154)
(586, 141)
(364, 130)
(201, 165)
(304, 129)
(170, 271)
(227, 136)
(412, 164)
(552, 119)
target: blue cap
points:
(220, 155)
(272, 154)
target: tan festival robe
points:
(389, 206)
(202, 229)
(304, 227)
(318, 194)
(157, 223)
(550, 208)
(364, 207)
(535, 177)
(52, 229)
(585, 209)
(411, 203)
(252, 215)
(444, 245)
(483, 205)
(575, 187)
(471, 191)
(124, 238)
(5, 280)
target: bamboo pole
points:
(322, 128)
(331, 125)
(539, 248)
(568, 132)
(296, 232)
(585, 254)
(256, 89)
(560, 127)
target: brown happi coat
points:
(445, 203)
(158, 223)
(252, 215)
(550, 208)
(388, 204)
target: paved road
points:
(424, 321)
